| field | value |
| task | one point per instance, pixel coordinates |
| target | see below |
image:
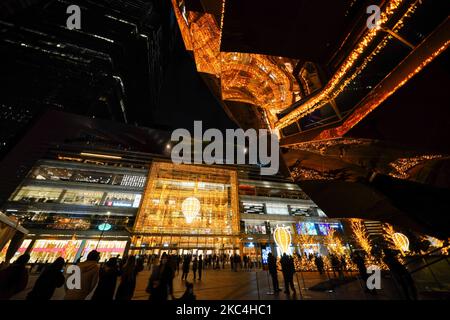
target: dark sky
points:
(186, 98)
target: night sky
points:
(186, 98)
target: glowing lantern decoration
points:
(190, 208)
(282, 238)
(401, 241)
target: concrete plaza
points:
(225, 284)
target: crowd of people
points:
(116, 277)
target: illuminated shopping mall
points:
(353, 92)
(72, 203)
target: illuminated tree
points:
(360, 235)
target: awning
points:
(12, 223)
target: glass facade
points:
(79, 222)
(38, 194)
(188, 202)
(45, 172)
(183, 207)
(35, 194)
(276, 191)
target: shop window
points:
(299, 211)
(38, 194)
(277, 208)
(253, 207)
(255, 229)
(50, 173)
(81, 197)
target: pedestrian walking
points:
(14, 278)
(200, 267)
(288, 269)
(107, 281)
(89, 277)
(194, 267)
(50, 279)
(185, 267)
(125, 291)
(272, 265)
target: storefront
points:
(309, 236)
(11, 235)
(48, 250)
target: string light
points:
(256, 79)
(403, 165)
(401, 241)
(361, 237)
(327, 93)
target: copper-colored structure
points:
(257, 79)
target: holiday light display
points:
(190, 208)
(283, 239)
(403, 165)
(333, 88)
(187, 206)
(334, 243)
(401, 241)
(360, 235)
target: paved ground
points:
(242, 285)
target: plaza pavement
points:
(225, 284)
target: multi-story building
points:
(108, 69)
(121, 202)
(66, 205)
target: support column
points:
(14, 245)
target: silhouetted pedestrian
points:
(200, 267)
(188, 295)
(14, 278)
(185, 267)
(89, 277)
(125, 291)
(358, 259)
(107, 281)
(400, 275)
(319, 264)
(50, 279)
(194, 267)
(159, 281)
(288, 269)
(272, 265)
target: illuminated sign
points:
(104, 227)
